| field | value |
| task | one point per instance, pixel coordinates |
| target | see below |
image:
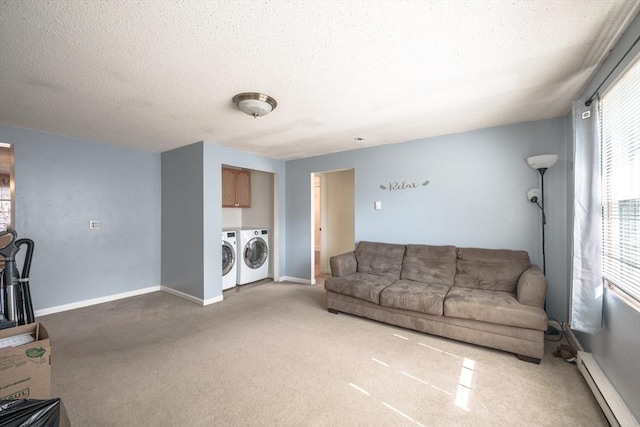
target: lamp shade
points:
(255, 104)
(542, 162)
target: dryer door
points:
(228, 257)
(255, 252)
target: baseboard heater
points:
(614, 408)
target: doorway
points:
(317, 212)
(332, 218)
(7, 188)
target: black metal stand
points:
(550, 329)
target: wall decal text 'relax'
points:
(404, 185)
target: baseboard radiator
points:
(614, 408)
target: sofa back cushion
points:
(491, 269)
(429, 264)
(382, 259)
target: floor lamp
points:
(541, 164)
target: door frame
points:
(324, 261)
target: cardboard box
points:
(25, 370)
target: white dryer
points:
(229, 259)
(253, 255)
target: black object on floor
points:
(33, 413)
(552, 331)
(6, 324)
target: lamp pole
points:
(541, 164)
(544, 218)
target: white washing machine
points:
(229, 259)
(253, 255)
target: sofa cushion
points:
(382, 259)
(359, 285)
(429, 264)
(415, 296)
(532, 287)
(497, 307)
(491, 269)
(343, 264)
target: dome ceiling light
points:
(255, 104)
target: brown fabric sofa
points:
(488, 297)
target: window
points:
(620, 126)
(5, 203)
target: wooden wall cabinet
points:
(236, 188)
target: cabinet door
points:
(228, 188)
(243, 189)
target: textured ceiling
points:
(160, 74)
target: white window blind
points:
(620, 119)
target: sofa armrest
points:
(532, 287)
(343, 264)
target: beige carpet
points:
(271, 355)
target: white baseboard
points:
(115, 297)
(212, 300)
(615, 409)
(182, 295)
(295, 280)
(94, 301)
(191, 298)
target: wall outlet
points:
(95, 225)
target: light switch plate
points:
(95, 225)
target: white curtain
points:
(587, 283)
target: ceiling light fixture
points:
(255, 104)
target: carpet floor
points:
(271, 355)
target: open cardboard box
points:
(25, 370)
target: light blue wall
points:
(476, 196)
(194, 267)
(182, 220)
(61, 184)
(617, 346)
